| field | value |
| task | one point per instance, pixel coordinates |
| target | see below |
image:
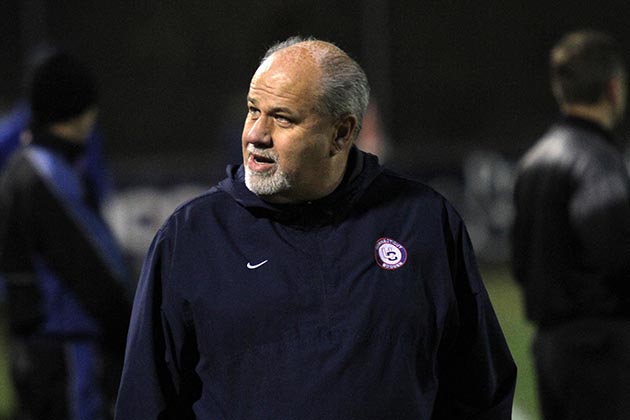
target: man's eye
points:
(282, 120)
(253, 112)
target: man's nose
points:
(259, 131)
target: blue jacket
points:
(66, 277)
(92, 167)
(366, 304)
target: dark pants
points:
(583, 370)
(57, 380)
(38, 370)
(54, 378)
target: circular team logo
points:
(389, 254)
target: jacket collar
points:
(589, 126)
(361, 171)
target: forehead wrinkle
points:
(273, 109)
(278, 94)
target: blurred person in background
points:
(571, 237)
(68, 294)
(14, 130)
(312, 283)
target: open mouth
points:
(262, 159)
(261, 163)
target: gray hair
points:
(344, 86)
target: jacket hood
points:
(362, 169)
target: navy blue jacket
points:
(366, 304)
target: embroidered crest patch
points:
(389, 254)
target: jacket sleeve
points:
(477, 374)
(158, 379)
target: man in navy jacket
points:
(312, 283)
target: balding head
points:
(343, 87)
(305, 103)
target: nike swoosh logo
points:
(253, 266)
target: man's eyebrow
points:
(274, 110)
(280, 109)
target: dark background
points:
(450, 76)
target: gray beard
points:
(266, 184)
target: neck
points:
(599, 113)
(68, 132)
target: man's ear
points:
(616, 86)
(344, 131)
(614, 89)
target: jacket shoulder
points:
(392, 185)
(210, 199)
(572, 148)
(213, 201)
(409, 195)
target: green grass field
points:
(6, 396)
(507, 301)
(506, 298)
